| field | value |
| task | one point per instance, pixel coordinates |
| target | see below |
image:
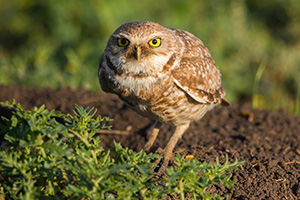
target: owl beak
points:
(138, 51)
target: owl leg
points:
(153, 136)
(170, 146)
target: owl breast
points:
(152, 94)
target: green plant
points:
(50, 155)
(185, 177)
(255, 89)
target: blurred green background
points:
(56, 43)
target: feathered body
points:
(165, 74)
(176, 82)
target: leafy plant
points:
(255, 89)
(50, 155)
(185, 177)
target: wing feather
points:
(102, 77)
(197, 73)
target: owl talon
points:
(160, 152)
(162, 163)
(162, 168)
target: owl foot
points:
(163, 162)
(164, 165)
(160, 152)
(168, 151)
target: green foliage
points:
(257, 79)
(50, 155)
(185, 177)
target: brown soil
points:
(268, 141)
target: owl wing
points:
(101, 75)
(197, 73)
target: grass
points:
(257, 79)
(50, 155)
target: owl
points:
(165, 74)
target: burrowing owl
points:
(165, 74)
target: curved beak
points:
(138, 51)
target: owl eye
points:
(122, 42)
(155, 42)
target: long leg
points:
(153, 136)
(171, 144)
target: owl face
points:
(136, 50)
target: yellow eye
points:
(122, 42)
(155, 42)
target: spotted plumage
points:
(165, 74)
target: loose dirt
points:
(268, 142)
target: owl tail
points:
(225, 102)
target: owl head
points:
(137, 47)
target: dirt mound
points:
(269, 142)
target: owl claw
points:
(160, 151)
(162, 163)
(163, 167)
